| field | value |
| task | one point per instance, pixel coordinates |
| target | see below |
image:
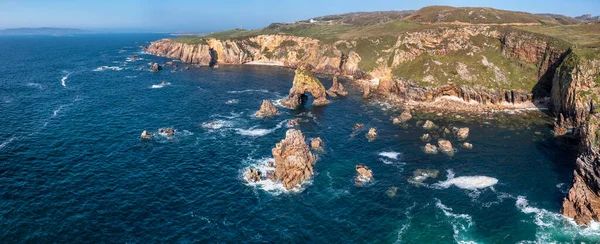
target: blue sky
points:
(205, 16)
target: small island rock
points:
(462, 133)
(372, 134)
(445, 146)
(267, 109)
(167, 131)
(146, 135)
(364, 174)
(316, 144)
(405, 116)
(252, 175)
(430, 149)
(155, 67)
(428, 125)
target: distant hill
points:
(364, 18)
(487, 16)
(588, 17)
(46, 31)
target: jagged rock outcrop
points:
(428, 125)
(293, 122)
(293, 160)
(426, 138)
(155, 67)
(267, 109)
(167, 131)
(430, 149)
(462, 133)
(252, 175)
(146, 135)
(305, 81)
(446, 147)
(358, 126)
(405, 116)
(372, 134)
(337, 89)
(364, 174)
(317, 144)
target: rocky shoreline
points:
(567, 84)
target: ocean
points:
(73, 168)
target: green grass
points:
(584, 37)
(446, 14)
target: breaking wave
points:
(160, 85)
(392, 155)
(103, 68)
(4, 144)
(249, 91)
(467, 182)
(262, 165)
(36, 85)
(217, 124)
(63, 80)
(253, 132)
(461, 223)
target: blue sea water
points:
(74, 170)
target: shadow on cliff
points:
(543, 88)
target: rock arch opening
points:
(305, 82)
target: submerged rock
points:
(421, 175)
(372, 134)
(133, 58)
(317, 144)
(305, 81)
(155, 67)
(252, 175)
(293, 122)
(293, 160)
(430, 149)
(391, 192)
(267, 109)
(232, 101)
(462, 133)
(364, 174)
(170, 63)
(146, 135)
(446, 147)
(167, 131)
(336, 89)
(358, 126)
(428, 125)
(405, 116)
(467, 145)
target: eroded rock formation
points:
(405, 116)
(293, 160)
(430, 149)
(167, 131)
(305, 81)
(155, 67)
(364, 174)
(267, 109)
(446, 147)
(372, 134)
(336, 89)
(462, 133)
(317, 144)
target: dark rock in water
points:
(364, 174)
(232, 101)
(155, 67)
(372, 134)
(317, 144)
(133, 58)
(252, 175)
(446, 147)
(170, 63)
(336, 89)
(405, 116)
(186, 68)
(430, 149)
(428, 125)
(425, 138)
(164, 83)
(146, 135)
(391, 192)
(462, 133)
(293, 122)
(421, 175)
(267, 109)
(167, 131)
(293, 160)
(358, 126)
(305, 81)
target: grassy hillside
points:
(584, 37)
(446, 14)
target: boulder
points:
(267, 109)
(364, 174)
(164, 83)
(252, 175)
(426, 138)
(405, 116)
(446, 147)
(428, 125)
(293, 122)
(155, 67)
(305, 81)
(317, 144)
(167, 131)
(391, 192)
(467, 145)
(372, 134)
(430, 149)
(170, 63)
(146, 135)
(336, 89)
(462, 133)
(358, 126)
(293, 160)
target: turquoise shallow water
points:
(73, 169)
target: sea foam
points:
(63, 80)
(103, 68)
(467, 182)
(461, 223)
(392, 155)
(254, 132)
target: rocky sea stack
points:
(267, 109)
(293, 160)
(305, 81)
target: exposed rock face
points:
(364, 174)
(155, 67)
(428, 125)
(167, 131)
(267, 109)
(305, 81)
(252, 175)
(358, 126)
(293, 160)
(405, 116)
(462, 133)
(467, 145)
(293, 122)
(583, 200)
(146, 135)
(317, 144)
(430, 149)
(426, 138)
(446, 146)
(337, 89)
(372, 134)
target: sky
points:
(215, 15)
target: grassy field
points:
(584, 37)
